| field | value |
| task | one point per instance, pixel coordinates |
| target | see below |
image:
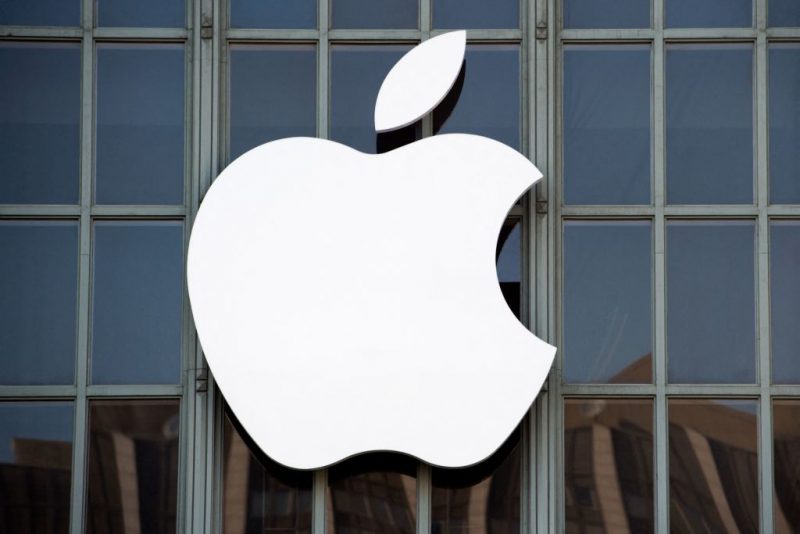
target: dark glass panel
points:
(713, 465)
(133, 466)
(709, 124)
(607, 13)
(708, 13)
(140, 116)
(509, 264)
(369, 14)
(265, 107)
(607, 124)
(137, 302)
(40, 109)
(38, 301)
(711, 302)
(373, 493)
(466, 14)
(608, 301)
(786, 443)
(486, 98)
(273, 14)
(142, 13)
(40, 13)
(785, 301)
(259, 495)
(481, 499)
(784, 12)
(784, 123)
(608, 462)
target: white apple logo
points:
(349, 302)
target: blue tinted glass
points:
(785, 301)
(137, 303)
(607, 13)
(356, 76)
(265, 106)
(486, 99)
(40, 12)
(38, 301)
(607, 124)
(40, 106)
(711, 302)
(709, 124)
(465, 14)
(367, 14)
(509, 263)
(784, 12)
(140, 116)
(708, 13)
(784, 123)
(273, 14)
(142, 13)
(607, 302)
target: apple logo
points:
(349, 302)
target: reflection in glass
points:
(784, 12)
(35, 466)
(607, 302)
(466, 14)
(785, 301)
(259, 495)
(40, 13)
(784, 123)
(713, 465)
(273, 14)
(486, 100)
(709, 124)
(369, 14)
(40, 109)
(137, 302)
(141, 13)
(374, 493)
(38, 301)
(786, 436)
(607, 124)
(711, 302)
(708, 13)
(508, 258)
(140, 115)
(265, 107)
(133, 466)
(608, 461)
(606, 13)
(357, 72)
(481, 499)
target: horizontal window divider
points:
(608, 211)
(710, 34)
(372, 35)
(784, 33)
(35, 211)
(516, 211)
(134, 390)
(785, 390)
(246, 34)
(608, 390)
(711, 211)
(137, 34)
(29, 392)
(638, 35)
(138, 211)
(28, 32)
(712, 390)
(487, 35)
(784, 211)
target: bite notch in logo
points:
(349, 302)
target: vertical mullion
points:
(548, 228)
(319, 487)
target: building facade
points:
(660, 254)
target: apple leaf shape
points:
(419, 81)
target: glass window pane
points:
(357, 72)
(140, 116)
(369, 14)
(481, 499)
(786, 436)
(467, 14)
(273, 14)
(607, 124)
(711, 302)
(40, 13)
(137, 302)
(784, 12)
(265, 107)
(784, 123)
(486, 98)
(133, 466)
(35, 466)
(713, 465)
(141, 13)
(509, 263)
(708, 13)
(259, 495)
(785, 301)
(608, 462)
(40, 106)
(375, 492)
(38, 302)
(606, 13)
(607, 302)
(709, 124)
